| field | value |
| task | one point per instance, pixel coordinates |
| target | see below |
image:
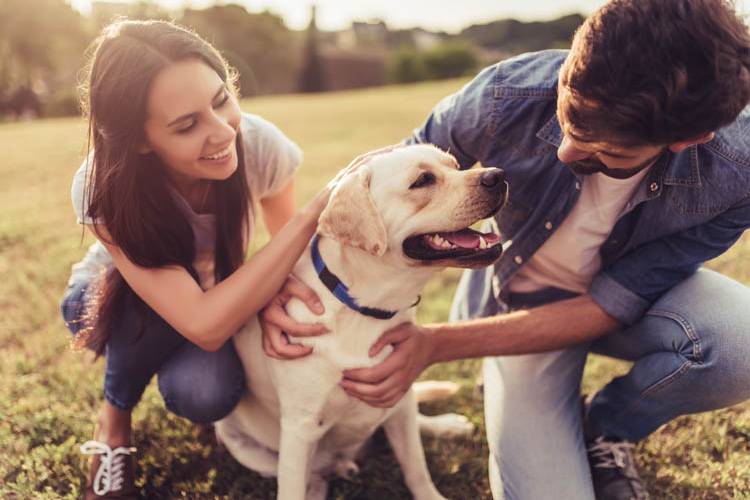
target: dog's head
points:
(414, 202)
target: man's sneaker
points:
(112, 473)
(613, 470)
(612, 466)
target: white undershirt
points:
(570, 258)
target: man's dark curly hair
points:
(656, 71)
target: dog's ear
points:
(351, 217)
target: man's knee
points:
(708, 315)
(708, 307)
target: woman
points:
(170, 192)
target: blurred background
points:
(282, 46)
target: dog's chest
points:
(350, 336)
(342, 420)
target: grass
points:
(49, 394)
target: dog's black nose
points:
(492, 177)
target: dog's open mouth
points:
(466, 244)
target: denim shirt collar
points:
(682, 169)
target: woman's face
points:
(192, 120)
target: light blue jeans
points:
(690, 353)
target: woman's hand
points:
(275, 322)
(385, 384)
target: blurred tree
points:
(450, 59)
(260, 46)
(104, 12)
(41, 42)
(445, 60)
(515, 36)
(311, 77)
(406, 65)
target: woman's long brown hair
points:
(128, 192)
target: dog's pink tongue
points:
(463, 239)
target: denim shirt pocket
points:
(721, 185)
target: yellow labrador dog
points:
(388, 226)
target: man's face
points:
(586, 158)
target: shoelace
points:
(610, 454)
(110, 475)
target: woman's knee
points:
(201, 404)
(73, 306)
(202, 386)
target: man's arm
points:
(544, 328)
(618, 296)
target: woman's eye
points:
(217, 105)
(186, 129)
(223, 100)
(425, 179)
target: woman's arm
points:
(209, 318)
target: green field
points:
(49, 395)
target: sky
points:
(449, 16)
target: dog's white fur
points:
(294, 420)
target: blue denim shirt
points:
(691, 207)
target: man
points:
(628, 162)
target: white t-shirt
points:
(271, 159)
(570, 258)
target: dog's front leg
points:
(402, 432)
(296, 449)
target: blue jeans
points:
(690, 353)
(196, 384)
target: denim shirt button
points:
(548, 225)
(654, 187)
(578, 185)
(518, 259)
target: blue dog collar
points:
(340, 290)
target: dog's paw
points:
(346, 469)
(445, 425)
(431, 494)
(434, 390)
(317, 488)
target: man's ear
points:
(701, 139)
(351, 217)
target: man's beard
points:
(590, 167)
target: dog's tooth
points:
(482, 242)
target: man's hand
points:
(385, 384)
(274, 321)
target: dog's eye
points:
(426, 179)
